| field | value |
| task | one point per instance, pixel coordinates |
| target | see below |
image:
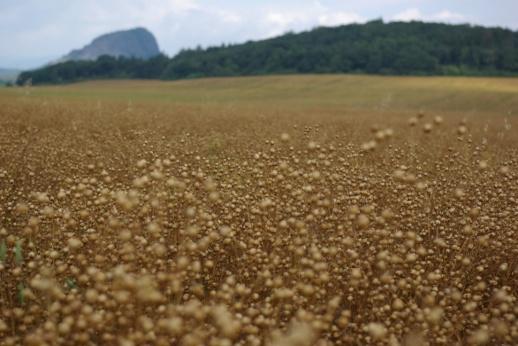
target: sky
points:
(35, 32)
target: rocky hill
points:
(134, 43)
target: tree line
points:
(396, 48)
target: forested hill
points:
(397, 48)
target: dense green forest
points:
(397, 48)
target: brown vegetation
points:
(140, 224)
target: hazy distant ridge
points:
(8, 75)
(396, 48)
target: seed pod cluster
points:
(188, 226)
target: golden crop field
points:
(279, 211)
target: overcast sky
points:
(33, 32)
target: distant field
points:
(344, 92)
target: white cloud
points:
(415, 14)
(448, 16)
(408, 15)
(282, 19)
(280, 22)
(184, 5)
(303, 18)
(229, 16)
(339, 18)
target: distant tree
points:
(374, 62)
